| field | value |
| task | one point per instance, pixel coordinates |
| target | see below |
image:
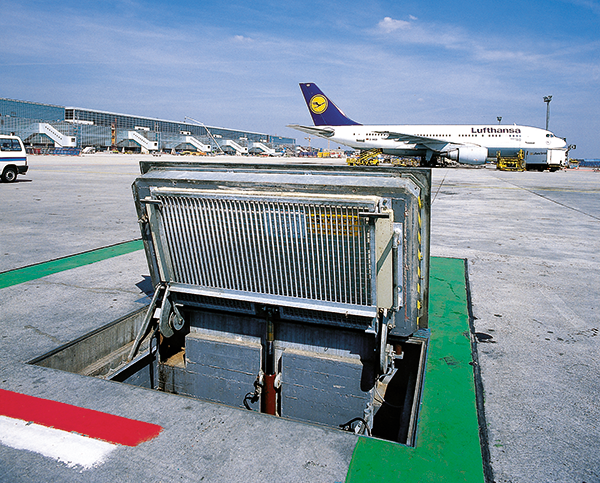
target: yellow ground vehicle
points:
(369, 157)
(511, 164)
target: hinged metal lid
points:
(340, 244)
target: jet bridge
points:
(294, 291)
(205, 148)
(260, 147)
(144, 142)
(60, 139)
(239, 149)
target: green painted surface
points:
(448, 448)
(32, 272)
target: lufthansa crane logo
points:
(318, 104)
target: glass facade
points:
(31, 110)
(105, 129)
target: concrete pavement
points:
(532, 241)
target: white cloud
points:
(241, 38)
(389, 24)
(465, 48)
(418, 33)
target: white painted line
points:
(69, 448)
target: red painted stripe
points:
(95, 424)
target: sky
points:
(237, 64)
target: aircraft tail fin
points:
(323, 111)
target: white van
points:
(13, 158)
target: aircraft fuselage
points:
(467, 144)
(508, 140)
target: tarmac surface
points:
(532, 241)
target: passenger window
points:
(10, 145)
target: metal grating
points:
(216, 303)
(291, 247)
(327, 318)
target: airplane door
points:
(528, 138)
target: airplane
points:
(466, 144)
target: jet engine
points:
(468, 154)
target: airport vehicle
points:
(550, 159)
(466, 144)
(13, 158)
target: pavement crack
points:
(39, 332)
(549, 199)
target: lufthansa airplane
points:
(467, 144)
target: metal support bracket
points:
(146, 323)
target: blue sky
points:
(237, 64)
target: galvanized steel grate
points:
(290, 247)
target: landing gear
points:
(429, 163)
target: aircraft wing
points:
(408, 138)
(322, 131)
(436, 145)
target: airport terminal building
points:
(49, 126)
